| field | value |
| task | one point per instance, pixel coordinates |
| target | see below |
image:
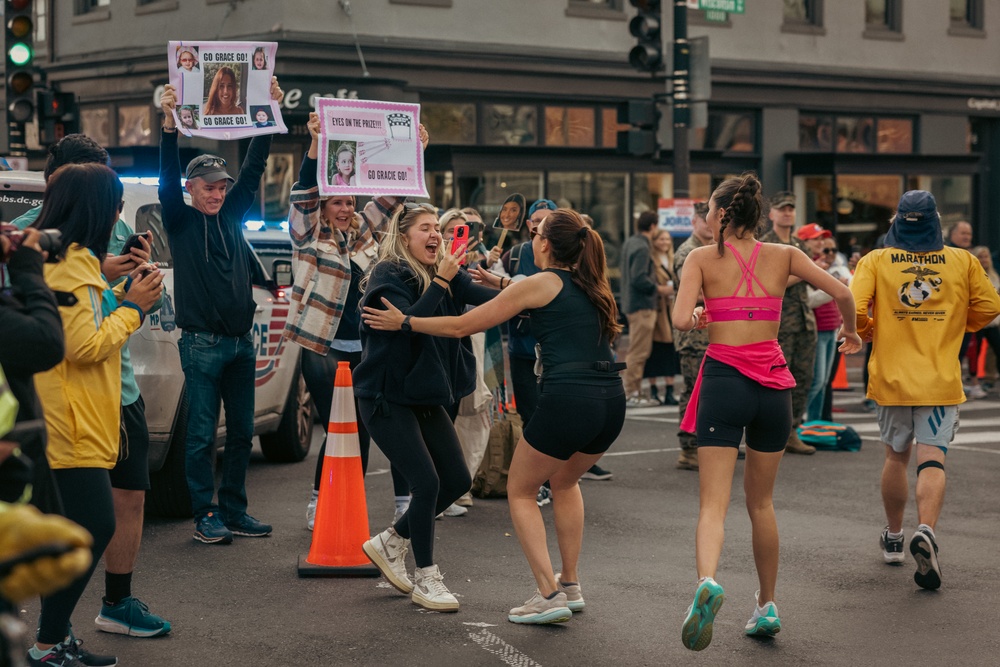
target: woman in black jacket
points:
(404, 384)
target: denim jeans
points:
(218, 367)
(826, 350)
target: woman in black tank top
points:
(581, 407)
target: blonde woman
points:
(405, 384)
(663, 362)
(328, 235)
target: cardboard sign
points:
(224, 89)
(369, 148)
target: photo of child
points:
(259, 58)
(187, 58)
(188, 117)
(261, 116)
(340, 170)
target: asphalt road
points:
(840, 604)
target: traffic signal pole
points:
(681, 79)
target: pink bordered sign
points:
(224, 89)
(369, 148)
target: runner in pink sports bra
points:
(747, 306)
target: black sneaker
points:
(247, 526)
(924, 550)
(892, 547)
(74, 646)
(597, 473)
(57, 656)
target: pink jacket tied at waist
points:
(762, 362)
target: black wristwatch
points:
(405, 326)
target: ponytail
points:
(743, 206)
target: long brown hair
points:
(211, 107)
(743, 204)
(576, 245)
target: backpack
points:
(830, 436)
(490, 480)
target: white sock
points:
(896, 536)
(927, 529)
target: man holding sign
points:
(215, 309)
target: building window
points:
(96, 124)
(569, 126)
(425, 3)
(855, 134)
(884, 19)
(510, 125)
(803, 16)
(729, 132)
(86, 6)
(134, 128)
(610, 127)
(966, 17)
(449, 123)
(596, 9)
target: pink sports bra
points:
(748, 306)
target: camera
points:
(50, 240)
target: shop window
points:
(134, 126)
(510, 125)
(494, 187)
(952, 193)
(803, 16)
(731, 132)
(895, 135)
(569, 126)
(855, 135)
(815, 199)
(449, 123)
(884, 19)
(276, 185)
(610, 127)
(865, 204)
(966, 17)
(815, 133)
(96, 124)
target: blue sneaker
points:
(696, 633)
(209, 529)
(131, 617)
(247, 526)
(765, 621)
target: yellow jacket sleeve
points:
(863, 288)
(984, 302)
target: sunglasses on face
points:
(829, 251)
(534, 233)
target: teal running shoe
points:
(764, 622)
(696, 633)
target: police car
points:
(282, 411)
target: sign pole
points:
(682, 111)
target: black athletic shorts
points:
(131, 472)
(730, 402)
(573, 418)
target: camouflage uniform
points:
(796, 335)
(691, 346)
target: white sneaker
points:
(455, 510)
(387, 551)
(430, 592)
(539, 610)
(311, 509)
(574, 594)
(975, 392)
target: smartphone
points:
(461, 240)
(132, 242)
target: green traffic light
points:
(20, 54)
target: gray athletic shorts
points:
(929, 425)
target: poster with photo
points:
(224, 89)
(369, 148)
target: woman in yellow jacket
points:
(81, 397)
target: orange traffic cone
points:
(341, 511)
(840, 374)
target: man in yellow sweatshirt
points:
(924, 297)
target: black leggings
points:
(86, 496)
(320, 372)
(421, 443)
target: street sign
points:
(716, 15)
(674, 215)
(731, 6)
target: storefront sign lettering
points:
(983, 104)
(293, 98)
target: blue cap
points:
(917, 225)
(543, 204)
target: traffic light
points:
(20, 49)
(640, 139)
(647, 55)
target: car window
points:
(268, 252)
(150, 218)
